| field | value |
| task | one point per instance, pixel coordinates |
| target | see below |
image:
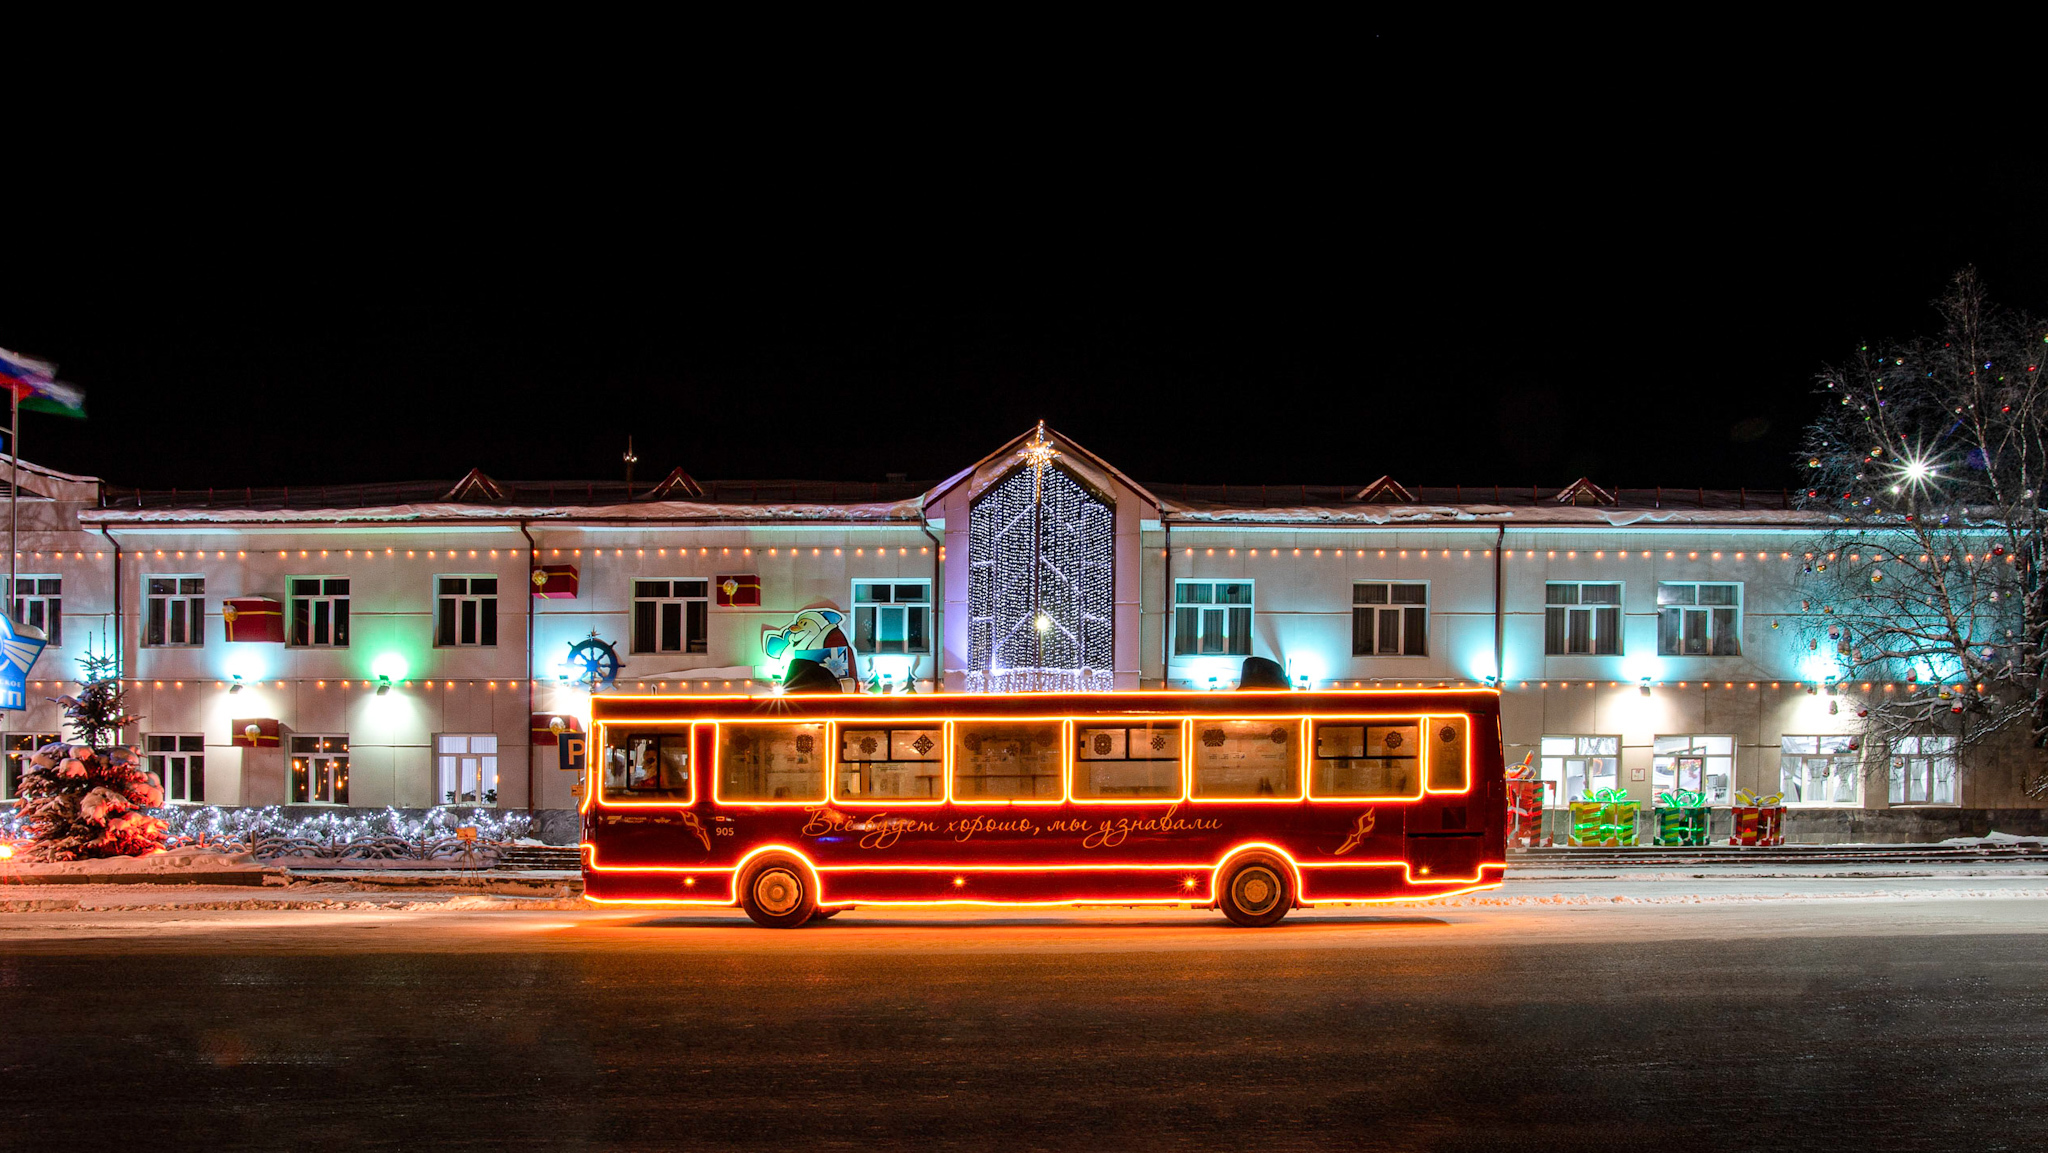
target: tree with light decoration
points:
(1930, 461)
(88, 799)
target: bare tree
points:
(1929, 464)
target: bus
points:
(797, 807)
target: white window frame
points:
(337, 611)
(320, 775)
(698, 642)
(1924, 765)
(43, 608)
(1666, 773)
(1578, 606)
(869, 615)
(1221, 609)
(1402, 616)
(1554, 765)
(184, 748)
(1842, 764)
(1712, 637)
(487, 609)
(466, 769)
(16, 756)
(194, 603)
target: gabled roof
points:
(1067, 445)
(675, 486)
(1385, 490)
(476, 488)
(1584, 491)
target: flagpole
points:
(13, 489)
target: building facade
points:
(413, 645)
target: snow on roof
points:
(657, 511)
(1187, 513)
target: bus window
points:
(771, 763)
(891, 763)
(1247, 759)
(1447, 767)
(646, 766)
(1363, 759)
(1127, 761)
(1000, 759)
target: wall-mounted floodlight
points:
(1831, 686)
(235, 683)
(383, 685)
(1646, 686)
(1492, 682)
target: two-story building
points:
(419, 644)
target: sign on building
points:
(19, 647)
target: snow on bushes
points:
(77, 803)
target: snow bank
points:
(1592, 899)
(172, 861)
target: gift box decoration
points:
(1681, 818)
(741, 590)
(1759, 821)
(1525, 806)
(555, 582)
(253, 619)
(1604, 817)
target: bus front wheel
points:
(1256, 893)
(777, 893)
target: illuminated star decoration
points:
(1038, 454)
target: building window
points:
(1582, 618)
(466, 768)
(1923, 771)
(1573, 766)
(176, 612)
(40, 602)
(179, 761)
(1389, 620)
(669, 616)
(467, 610)
(892, 618)
(1694, 765)
(320, 612)
(21, 746)
(320, 770)
(1699, 620)
(1212, 618)
(1818, 770)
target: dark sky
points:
(1325, 277)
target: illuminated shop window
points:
(1923, 771)
(892, 617)
(1699, 620)
(175, 610)
(1212, 618)
(466, 611)
(1574, 765)
(1389, 619)
(319, 611)
(320, 770)
(1366, 759)
(1127, 761)
(466, 768)
(771, 763)
(646, 766)
(997, 759)
(179, 762)
(39, 601)
(1582, 617)
(19, 747)
(1247, 759)
(890, 764)
(1819, 770)
(669, 616)
(1694, 764)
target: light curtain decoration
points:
(1040, 583)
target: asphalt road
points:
(1896, 1023)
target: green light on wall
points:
(389, 667)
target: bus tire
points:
(1256, 892)
(777, 892)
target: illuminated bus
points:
(797, 807)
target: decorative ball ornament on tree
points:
(88, 799)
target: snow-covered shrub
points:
(78, 803)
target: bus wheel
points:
(777, 893)
(1256, 893)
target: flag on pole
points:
(36, 388)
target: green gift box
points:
(1681, 818)
(1604, 817)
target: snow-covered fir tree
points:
(88, 799)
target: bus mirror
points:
(1260, 673)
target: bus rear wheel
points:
(1256, 893)
(777, 893)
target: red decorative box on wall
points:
(740, 590)
(542, 733)
(254, 619)
(265, 736)
(555, 582)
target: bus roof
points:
(617, 707)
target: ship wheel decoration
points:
(593, 663)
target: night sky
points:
(1333, 279)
